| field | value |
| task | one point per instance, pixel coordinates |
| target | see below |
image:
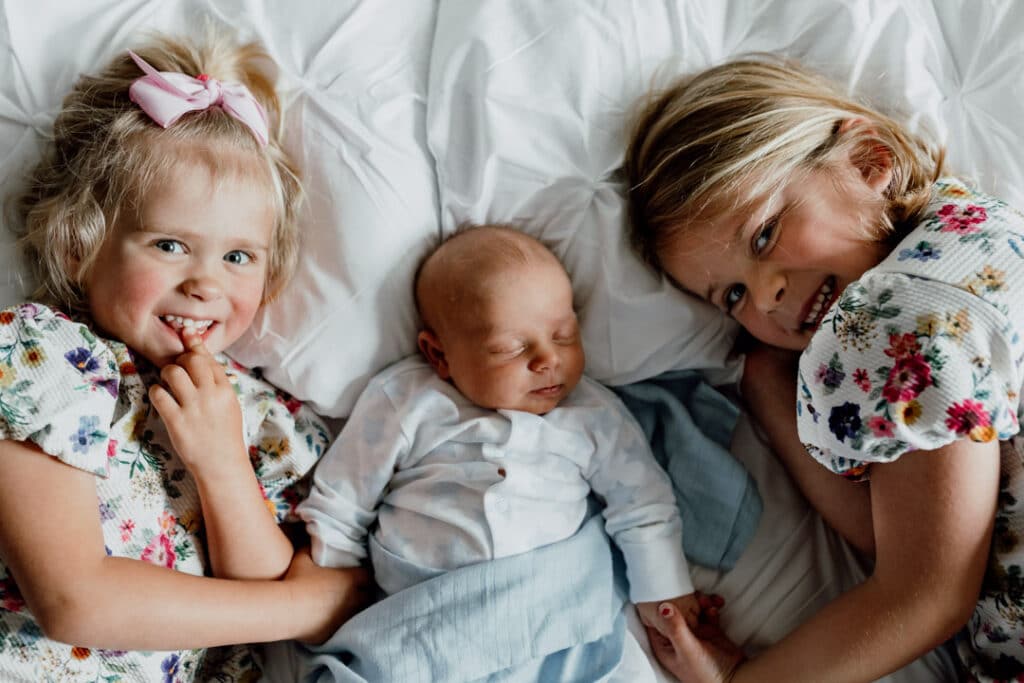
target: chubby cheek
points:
(245, 303)
(124, 301)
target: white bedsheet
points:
(410, 116)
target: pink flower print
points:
(168, 522)
(861, 379)
(10, 596)
(908, 378)
(112, 448)
(879, 426)
(969, 417)
(160, 551)
(962, 220)
(127, 527)
(291, 404)
(902, 345)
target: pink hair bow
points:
(166, 97)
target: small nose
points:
(771, 288)
(202, 285)
(544, 358)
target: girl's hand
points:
(201, 411)
(687, 605)
(345, 592)
(700, 655)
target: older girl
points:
(826, 228)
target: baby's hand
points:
(202, 414)
(341, 592)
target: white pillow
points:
(529, 104)
(353, 73)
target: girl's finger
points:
(177, 381)
(193, 342)
(162, 400)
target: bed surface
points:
(409, 117)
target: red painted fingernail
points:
(666, 610)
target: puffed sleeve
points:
(904, 363)
(58, 386)
(285, 439)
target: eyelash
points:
(766, 232)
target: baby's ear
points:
(431, 348)
(872, 158)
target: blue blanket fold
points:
(690, 425)
(551, 614)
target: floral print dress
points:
(83, 400)
(922, 350)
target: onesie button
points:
(501, 471)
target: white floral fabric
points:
(83, 400)
(924, 349)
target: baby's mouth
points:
(820, 304)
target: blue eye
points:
(239, 258)
(733, 295)
(764, 235)
(170, 246)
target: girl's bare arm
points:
(52, 544)
(933, 514)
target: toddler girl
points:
(827, 228)
(135, 460)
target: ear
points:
(871, 158)
(431, 348)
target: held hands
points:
(199, 407)
(343, 593)
(687, 641)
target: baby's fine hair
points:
(106, 154)
(741, 131)
(493, 247)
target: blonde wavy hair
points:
(742, 131)
(106, 154)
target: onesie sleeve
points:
(285, 440)
(352, 478)
(905, 363)
(58, 386)
(640, 508)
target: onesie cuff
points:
(656, 569)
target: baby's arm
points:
(204, 420)
(640, 508)
(52, 544)
(351, 478)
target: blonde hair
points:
(742, 131)
(106, 154)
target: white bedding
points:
(409, 117)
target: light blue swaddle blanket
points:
(689, 425)
(552, 614)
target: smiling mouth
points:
(180, 324)
(822, 302)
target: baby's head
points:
(148, 221)
(765, 189)
(498, 319)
